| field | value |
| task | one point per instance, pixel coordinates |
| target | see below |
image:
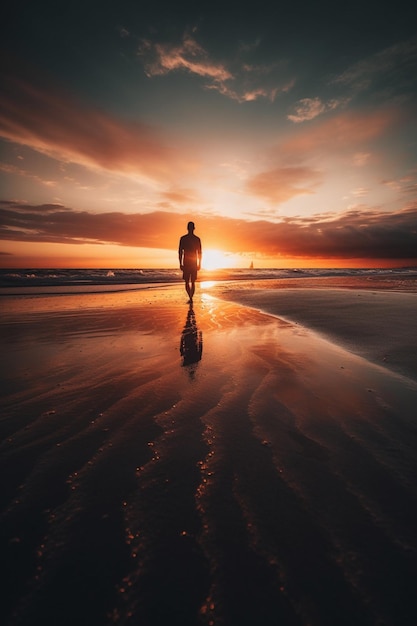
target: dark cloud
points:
(357, 234)
(59, 224)
(392, 66)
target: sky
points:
(286, 131)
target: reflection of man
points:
(191, 346)
(189, 253)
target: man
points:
(189, 253)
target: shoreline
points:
(374, 318)
(378, 324)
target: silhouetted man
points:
(189, 253)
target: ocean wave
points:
(81, 280)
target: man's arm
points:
(180, 254)
(200, 255)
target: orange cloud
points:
(283, 183)
(36, 114)
(343, 131)
(180, 196)
(189, 55)
(309, 108)
(357, 234)
(246, 95)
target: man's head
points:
(190, 227)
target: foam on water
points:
(15, 281)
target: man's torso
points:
(191, 246)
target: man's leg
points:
(190, 279)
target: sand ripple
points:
(271, 481)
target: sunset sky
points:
(286, 131)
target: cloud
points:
(123, 32)
(245, 83)
(180, 196)
(283, 183)
(18, 171)
(39, 115)
(360, 192)
(160, 59)
(361, 158)
(405, 185)
(310, 108)
(360, 233)
(307, 109)
(59, 224)
(345, 131)
(249, 95)
(356, 234)
(395, 66)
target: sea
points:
(59, 281)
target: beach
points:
(250, 459)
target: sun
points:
(216, 260)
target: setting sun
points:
(217, 259)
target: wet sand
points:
(215, 465)
(375, 319)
